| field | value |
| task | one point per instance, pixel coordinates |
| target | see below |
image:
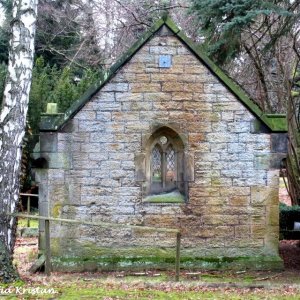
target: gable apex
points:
(276, 123)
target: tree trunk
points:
(12, 125)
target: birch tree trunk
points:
(12, 125)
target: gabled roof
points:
(275, 122)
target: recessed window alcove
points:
(163, 167)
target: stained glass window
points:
(156, 161)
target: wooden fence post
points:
(177, 260)
(28, 211)
(47, 248)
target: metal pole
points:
(47, 248)
(28, 211)
(177, 260)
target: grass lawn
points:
(150, 284)
(22, 222)
(107, 287)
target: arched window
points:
(165, 162)
(163, 167)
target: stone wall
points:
(231, 211)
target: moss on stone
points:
(56, 210)
(87, 256)
(174, 197)
(295, 93)
(278, 122)
(141, 262)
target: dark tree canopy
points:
(226, 24)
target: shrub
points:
(288, 215)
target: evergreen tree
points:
(61, 86)
(226, 23)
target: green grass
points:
(23, 223)
(144, 290)
(108, 286)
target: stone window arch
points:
(165, 171)
(164, 166)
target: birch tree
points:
(12, 125)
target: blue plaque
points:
(165, 61)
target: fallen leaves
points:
(151, 284)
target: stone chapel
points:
(166, 139)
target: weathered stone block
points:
(219, 126)
(90, 126)
(262, 195)
(172, 87)
(145, 87)
(58, 160)
(279, 142)
(162, 50)
(101, 137)
(137, 106)
(129, 97)
(193, 87)
(235, 191)
(180, 96)
(239, 200)
(135, 127)
(220, 220)
(48, 142)
(273, 178)
(227, 116)
(122, 116)
(115, 87)
(262, 161)
(165, 77)
(114, 127)
(194, 69)
(175, 69)
(220, 137)
(272, 215)
(56, 176)
(157, 96)
(86, 115)
(140, 167)
(258, 231)
(103, 116)
(174, 105)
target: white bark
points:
(13, 113)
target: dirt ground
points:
(290, 253)
(26, 251)
(156, 284)
(159, 285)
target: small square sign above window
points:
(165, 61)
